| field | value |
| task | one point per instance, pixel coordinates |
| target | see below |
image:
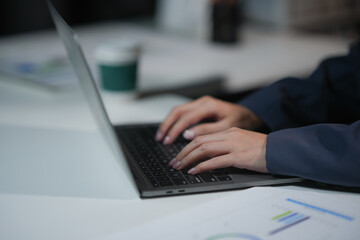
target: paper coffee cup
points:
(118, 62)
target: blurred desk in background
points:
(196, 67)
(169, 62)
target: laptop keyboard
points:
(154, 157)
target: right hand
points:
(225, 114)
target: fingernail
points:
(177, 165)
(166, 140)
(189, 134)
(192, 171)
(158, 136)
(172, 161)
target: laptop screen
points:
(87, 83)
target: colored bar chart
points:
(289, 219)
(265, 214)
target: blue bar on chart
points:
(323, 210)
(294, 218)
(289, 225)
(287, 217)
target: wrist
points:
(249, 120)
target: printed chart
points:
(288, 218)
(263, 213)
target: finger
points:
(215, 137)
(171, 119)
(222, 161)
(204, 151)
(203, 129)
(187, 119)
(176, 113)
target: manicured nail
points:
(166, 140)
(189, 134)
(171, 163)
(192, 171)
(177, 164)
(158, 136)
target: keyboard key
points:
(155, 169)
(158, 174)
(224, 178)
(175, 175)
(208, 178)
(193, 179)
(164, 162)
(180, 181)
(171, 170)
(155, 183)
(166, 183)
(141, 163)
(149, 176)
(150, 159)
(152, 164)
(163, 178)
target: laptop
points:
(147, 161)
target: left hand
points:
(233, 147)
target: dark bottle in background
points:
(225, 21)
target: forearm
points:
(327, 153)
(331, 94)
(267, 104)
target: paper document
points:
(52, 72)
(260, 213)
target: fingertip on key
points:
(189, 134)
(192, 171)
(167, 140)
(171, 163)
(158, 136)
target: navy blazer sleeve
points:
(315, 122)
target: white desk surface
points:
(43, 196)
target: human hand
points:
(233, 147)
(225, 114)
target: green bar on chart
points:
(281, 215)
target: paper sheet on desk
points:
(48, 71)
(260, 213)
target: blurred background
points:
(17, 16)
(226, 41)
(325, 16)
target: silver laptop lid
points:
(88, 85)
